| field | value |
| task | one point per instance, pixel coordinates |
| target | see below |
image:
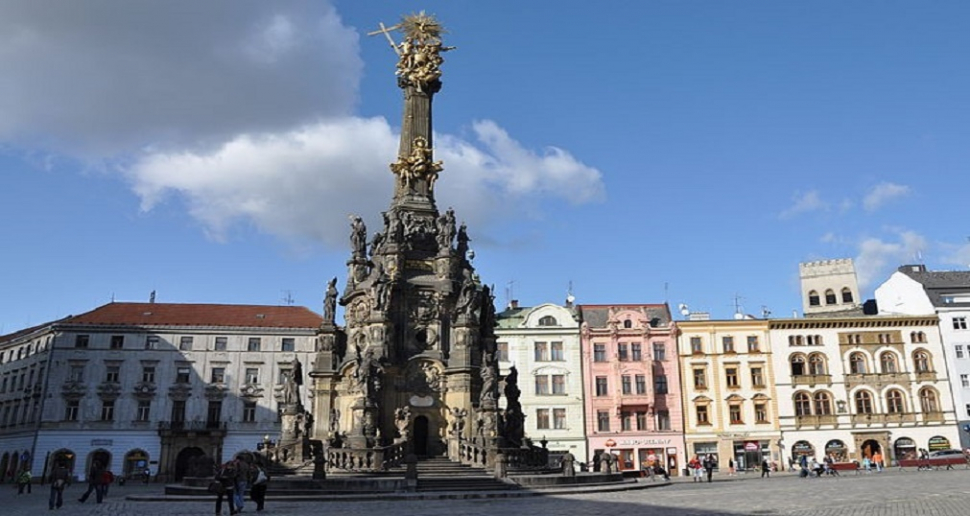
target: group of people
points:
(99, 478)
(233, 479)
(698, 466)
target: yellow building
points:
(730, 405)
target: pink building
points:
(632, 385)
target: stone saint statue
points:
(463, 240)
(446, 230)
(330, 302)
(489, 374)
(358, 236)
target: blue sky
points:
(682, 151)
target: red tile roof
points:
(186, 314)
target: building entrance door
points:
(183, 459)
(421, 436)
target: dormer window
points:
(548, 320)
(628, 324)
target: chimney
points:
(513, 304)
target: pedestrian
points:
(242, 483)
(765, 469)
(709, 466)
(257, 493)
(877, 460)
(23, 481)
(694, 467)
(731, 467)
(60, 477)
(223, 486)
(95, 479)
(106, 479)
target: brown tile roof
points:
(186, 314)
(26, 331)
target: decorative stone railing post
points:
(411, 473)
(501, 468)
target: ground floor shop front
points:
(886, 445)
(635, 453)
(743, 451)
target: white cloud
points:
(877, 258)
(100, 78)
(804, 203)
(302, 184)
(958, 255)
(883, 193)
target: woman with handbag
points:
(257, 493)
(222, 486)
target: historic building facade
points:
(912, 290)
(148, 385)
(542, 343)
(730, 404)
(632, 385)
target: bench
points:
(845, 466)
(936, 463)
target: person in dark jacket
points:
(257, 493)
(60, 477)
(765, 469)
(95, 483)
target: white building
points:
(913, 290)
(147, 385)
(542, 343)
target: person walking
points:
(223, 486)
(242, 483)
(765, 469)
(731, 467)
(695, 468)
(709, 466)
(877, 460)
(23, 481)
(95, 480)
(257, 493)
(60, 477)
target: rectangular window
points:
(959, 323)
(626, 422)
(252, 375)
(731, 376)
(603, 420)
(641, 420)
(559, 419)
(288, 344)
(959, 348)
(660, 384)
(117, 341)
(760, 413)
(151, 342)
(696, 345)
(757, 378)
(81, 341)
(964, 380)
(557, 352)
(702, 415)
(700, 378)
(541, 351)
(112, 374)
(663, 420)
(144, 410)
(185, 344)
(214, 412)
(71, 410)
(622, 352)
(599, 352)
(968, 409)
(601, 386)
(221, 343)
(542, 385)
(255, 343)
(728, 343)
(558, 384)
(542, 419)
(178, 411)
(218, 375)
(752, 344)
(182, 374)
(502, 351)
(249, 412)
(641, 384)
(636, 352)
(108, 410)
(626, 385)
(148, 374)
(735, 413)
(76, 374)
(659, 351)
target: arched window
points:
(830, 297)
(813, 299)
(927, 400)
(887, 362)
(548, 320)
(628, 324)
(816, 364)
(894, 402)
(922, 361)
(803, 404)
(797, 365)
(863, 402)
(823, 404)
(846, 295)
(857, 363)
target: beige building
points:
(730, 404)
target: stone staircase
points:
(442, 474)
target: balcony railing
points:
(816, 420)
(875, 379)
(811, 380)
(192, 426)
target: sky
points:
(627, 152)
